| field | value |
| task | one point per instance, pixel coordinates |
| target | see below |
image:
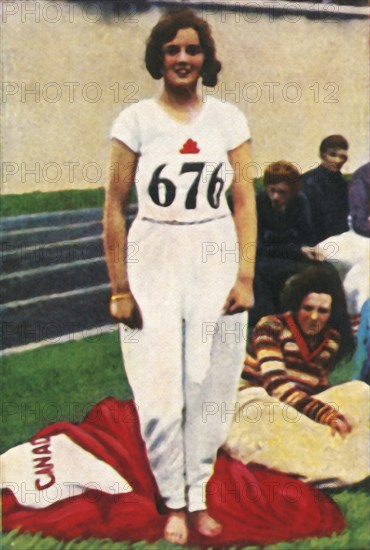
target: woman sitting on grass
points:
(287, 415)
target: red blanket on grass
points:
(254, 504)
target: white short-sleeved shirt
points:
(183, 169)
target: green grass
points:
(63, 381)
(59, 382)
(33, 203)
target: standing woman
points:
(188, 284)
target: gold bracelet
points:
(119, 296)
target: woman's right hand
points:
(126, 310)
(340, 425)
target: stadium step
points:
(48, 320)
(50, 219)
(23, 238)
(54, 280)
(40, 255)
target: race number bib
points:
(162, 190)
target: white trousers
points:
(184, 365)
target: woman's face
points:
(334, 158)
(314, 313)
(279, 195)
(183, 59)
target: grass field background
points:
(33, 203)
(63, 381)
(40, 387)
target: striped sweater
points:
(291, 368)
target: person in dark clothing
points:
(359, 200)
(327, 190)
(284, 225)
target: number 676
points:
(163, 191)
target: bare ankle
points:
(176, 529)
(206, 524)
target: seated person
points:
(349, 251)
(287, 416)
(283, 227)
(327, 190)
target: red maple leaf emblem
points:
(190, 147)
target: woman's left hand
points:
(340, 425)
(240, 297)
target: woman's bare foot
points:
(206, 525)
(176, 530)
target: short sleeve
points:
(126, 128)
(238, 129)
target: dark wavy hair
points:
(336, 141)
(166, 29)
(321, 277)
(283, 172)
